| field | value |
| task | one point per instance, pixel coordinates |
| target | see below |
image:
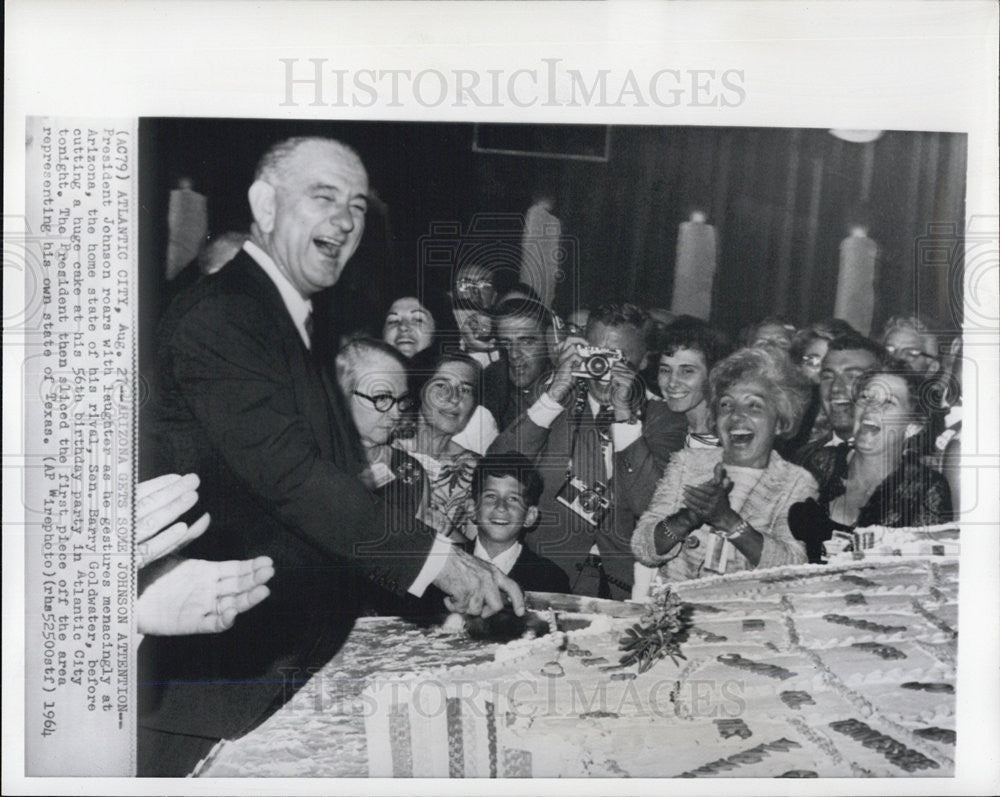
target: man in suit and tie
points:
(601, 448)
(243, 402)
(847, 357)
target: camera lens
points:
(588, 500)
(598, 365)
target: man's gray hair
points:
(273, 163)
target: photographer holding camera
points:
(600, 451)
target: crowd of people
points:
(474, 444)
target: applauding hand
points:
(187, 596)
(710, 501)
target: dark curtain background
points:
(781, 201)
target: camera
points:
(589, 502)
(597, 362)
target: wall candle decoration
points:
(694, 274)
(187, 222)
(540, 250)
(855, 301)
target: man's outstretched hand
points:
(476, 587)
(186, 596)
(158, 503)
(192, 596)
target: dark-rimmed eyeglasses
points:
(384, 402)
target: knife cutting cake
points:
(804, 671)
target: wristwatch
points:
(735, 531)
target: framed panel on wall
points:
(567, 142)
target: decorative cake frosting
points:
(842, 670)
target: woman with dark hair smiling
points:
(447, 388)
(689, 349)
(409, 326)
(413, 326)
(883, 481)
(721, 510)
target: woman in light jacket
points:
(722, 510)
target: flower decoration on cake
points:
(658, 634)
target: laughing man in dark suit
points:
(243, 402)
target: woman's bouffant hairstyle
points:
(921, 327)
(821, 330)
(787, 388)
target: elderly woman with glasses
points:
(373, 378)
(446, 387)
(883, 481)
(374, 381)
(721, 510)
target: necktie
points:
(603, 421)
(309, 327)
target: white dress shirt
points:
(479, 433)
(298, 308)
(504, 561)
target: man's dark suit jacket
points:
(505, 401)
(561, 535)
(243, 403)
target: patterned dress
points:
(450, 481)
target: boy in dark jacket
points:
(505, 493)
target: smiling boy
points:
(504, 502)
